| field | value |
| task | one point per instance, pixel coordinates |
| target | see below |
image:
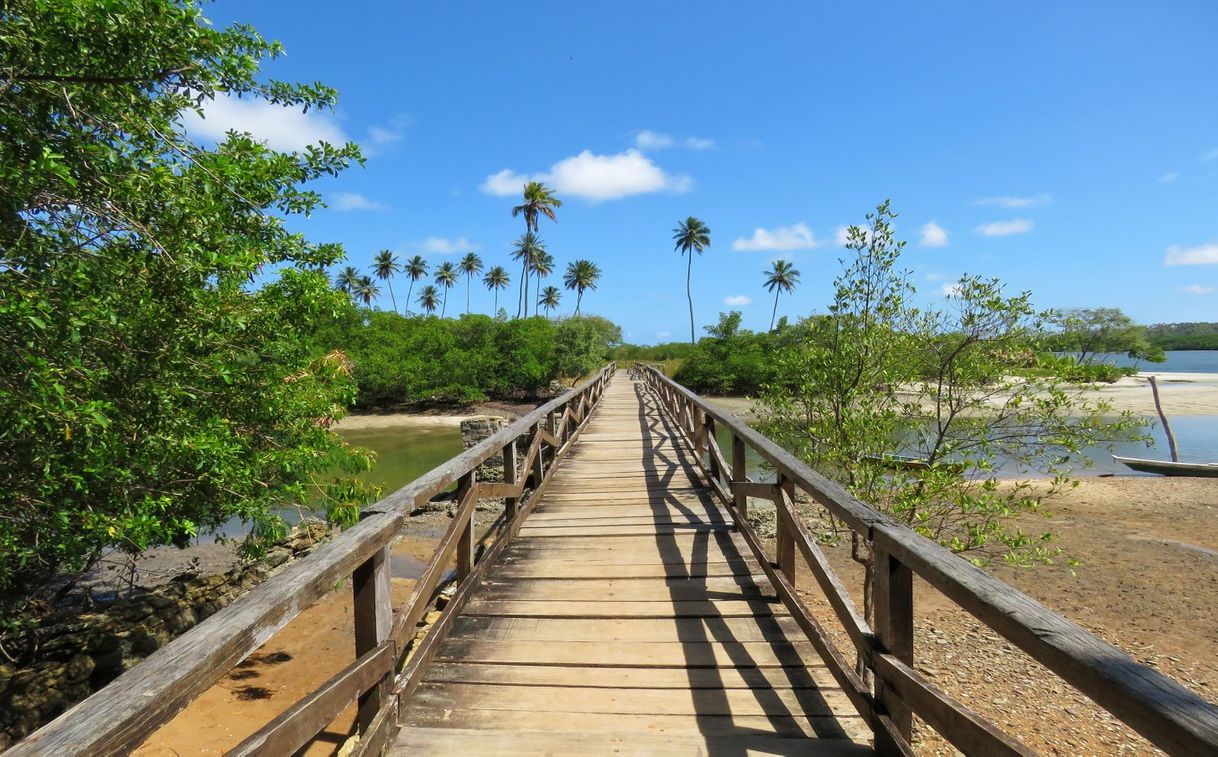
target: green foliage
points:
(466, 360)
(1087, 333)
(1184, 336)
(148, 393)
(959, 389)
(732, 361)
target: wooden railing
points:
(121, 716)
(1166, 713)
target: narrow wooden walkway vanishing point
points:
(628, 612)
(622, 603)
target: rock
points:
(79, 668)
(181, 620)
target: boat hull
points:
(1168, 468)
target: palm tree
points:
(385, 264)
(691, 235)
(446, 276)
(782, 277)
(415, 268)
(366, 290)
(539, 200)
(495, 279)
(429, 299)
(543, 265)
(581, 275)
(470, 265)
(526, 250)
(347, 280)
(549, 299)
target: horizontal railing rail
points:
(1169, 715)
(120, 717)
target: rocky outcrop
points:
(75, 654)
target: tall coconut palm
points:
(495, 279)
(366, 290)
(550, 297)
(415, 268)
(470, 265)
(782, 277)
(581, 275)
(429, 299)
(526, 250)
(543, 266)
(691, 235)
(539, 200)
(385, 264)
(446, 276)
(347, 280)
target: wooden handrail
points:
(1169, 715)
(121, 716)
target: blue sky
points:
(1066, 148)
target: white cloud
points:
(1212, 154)
(1007, 201)
(280, 128)
(842, 235)
(797, 237)
(950, 289)
(346, 201)
(595, 177)
(933, 235)
(1168, 177)
(654, 140)
(443, 245)
(1004, 228)
(738, 300)
(936, 276)
(1198, 289)
(1205, 254)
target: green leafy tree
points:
(385, 265)
(159, 374)
(429, 299)
(415, 268)
(1087, 333)
(543, 266)
(538, 200)
(495, 279)
(471, 265)
(526, 249)
(782, 277)
(950, 388)
(550, 298)
(581, 276)
(691, 235)
(446, 276)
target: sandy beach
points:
(372, 421)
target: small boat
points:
(905, 462)
(1168, 468)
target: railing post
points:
(510, 504)
(739, 473)
(893, 592)
(708, 434)
(699, 432)
(466, 541)
(373, 616)
(539, 466)
(785, 534)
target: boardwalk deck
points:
(628, 616)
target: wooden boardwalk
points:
(628, 614)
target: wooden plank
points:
(592, 609)
(595, 523)
(611, 531)
(963, 728)
(731, 677)
(572, 569)
(645, 654)
(627, 590)
(837, 729)
(778, 628)
(297, 725)
(587, 699)
(380, 733)
(373, 621)
(639, 743)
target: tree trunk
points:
(774, 312)
(409, 294)
(1171, 438)
(496, 313)
(689, 267)
(444, 306)
(469, 280)
(392, 299)
(578, 298)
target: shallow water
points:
(404, 454)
